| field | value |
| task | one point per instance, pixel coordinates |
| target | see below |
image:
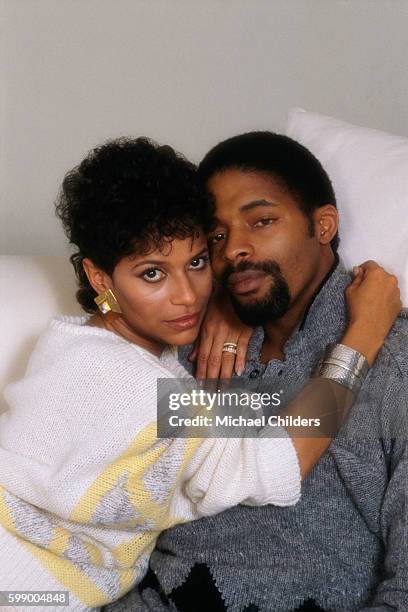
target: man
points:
(344, 546)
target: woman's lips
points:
(240, 283)
(186, 322)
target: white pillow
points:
(369, 172)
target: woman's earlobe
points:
(95, 275)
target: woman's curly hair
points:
(127, 196)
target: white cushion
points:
(369, 171)
(33, 289)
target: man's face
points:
(262, 247)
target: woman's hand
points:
(220, 325)
(374, 302)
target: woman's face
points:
(163, 295)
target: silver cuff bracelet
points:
(345, 366)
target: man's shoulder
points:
(183, 353)
(396, 343)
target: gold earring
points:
(107, 301)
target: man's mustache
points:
(268, 267)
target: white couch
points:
(33, 289)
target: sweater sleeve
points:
(252, 471)
(391, 592)
(78, 420)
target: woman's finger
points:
(369, 265)
(203, 354)
(227, 364)
(358, 276)
(242, 349)
(215, 359)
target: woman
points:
(85, 485)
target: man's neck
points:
(278, 332)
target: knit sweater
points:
(85, 484)
(345, 544)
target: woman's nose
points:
(183, 293)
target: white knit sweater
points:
(85, 485)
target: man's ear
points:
(98, 279)
(326, 223)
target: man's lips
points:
(245, 282)
(186, 322)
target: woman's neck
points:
(116, 324)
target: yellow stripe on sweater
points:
(141, 454)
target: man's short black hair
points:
(289, 163)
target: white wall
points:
(187, 72)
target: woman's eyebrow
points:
(155, 262)
(158, 262)
(257, 204)
(204, 250)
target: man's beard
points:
(269, 308)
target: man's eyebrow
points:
(159, 262)
(250, 206)
(257, 204)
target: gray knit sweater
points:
(345, 544)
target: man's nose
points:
(237, 248)
(183, 292)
